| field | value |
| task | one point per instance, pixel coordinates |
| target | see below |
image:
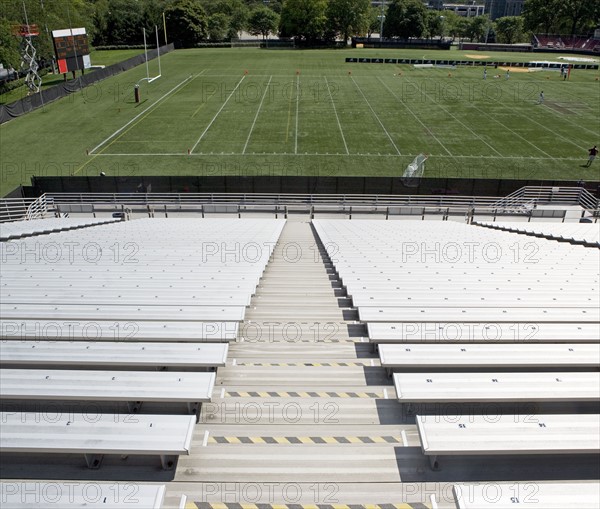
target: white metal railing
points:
(14, 209)
(521, 201)
(40, 208)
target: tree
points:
(541, 15)
(217, 26)
(477, 28)
(434, 24)
(304, 19)
(348, 17)
(405, 18)
(580, 15)
(186, 22)
(263, 21)
(373, 21)
(10, 55)
(452, 24)
(509, 29)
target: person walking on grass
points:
(485, 73)
(593, 152)
(507, 74)
(541, 98)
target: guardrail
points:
(273, 199)
(14, 209)
(521, 202)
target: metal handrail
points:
(14, 209)
(272, 199)
(39, 209)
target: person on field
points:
(593, 152)
(541, 98)
(507, 74)
(484, 74)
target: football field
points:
(284, 112)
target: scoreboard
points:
(72, 49)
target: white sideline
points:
(216, 115)
(140, 114)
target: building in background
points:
(467, 9)
(500, 8)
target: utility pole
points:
(381, 18)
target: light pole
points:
(381, 18)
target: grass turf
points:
(310, 113)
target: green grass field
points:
(285, 112)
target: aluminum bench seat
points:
(108, 296)
(115, 330)
(131, 387)
(518, 434)
(496, 387)
(455, 356)
(484, 332)
(480, 314)
(534, 495)
(167, 436)
(41, 495)
(130, 311)
(481, 298)
(113, 355)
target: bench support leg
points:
(93, 460)
(194, 408)
(433, 462)
(134, 406)
(168, 462)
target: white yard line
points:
(319, 154)
(515, 133)
(337, 117)
(376, 116)
(216, 115)
(474, 133)
(297, 113)
(414, 115)
(553, 131)
(256, 116)
(188, 79)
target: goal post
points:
(414, 171)
(148, 78)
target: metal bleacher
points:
(121, 317)
(238, 352)
(580, 233)
(458, 325)
(20, 229)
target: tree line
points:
(189, 22)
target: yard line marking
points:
(319, 154)
(216, 115)
(336, 116)
(287, 127)
(187, 80)
(414, 115)
(204, 103)
(297, 112)
(554, 132)
(463, 124)
(256, 116)
(376, 116)
(515, 133)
